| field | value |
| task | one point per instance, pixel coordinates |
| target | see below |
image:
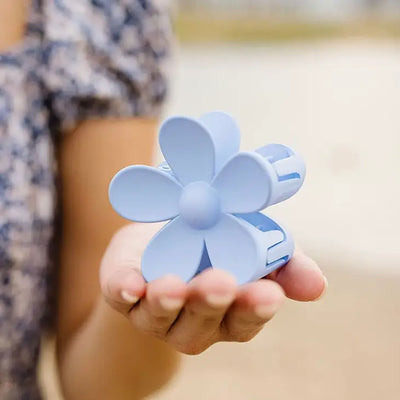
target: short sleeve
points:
(105, 58)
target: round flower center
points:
(200, 205)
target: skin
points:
(211, 308)
(118, 337)
(12, 21)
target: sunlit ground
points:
(337, 102)
(195, 27)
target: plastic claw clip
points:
(212, 194)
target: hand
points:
(209, 309)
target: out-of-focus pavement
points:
(338, 103)
(346, 347)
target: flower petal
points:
(234, 246)
(175, 249)
(145, 194)
(226, 135)
(244, 183)
(188, 148)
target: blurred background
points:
(322, 76)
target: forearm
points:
(107, 359)
(100, 354)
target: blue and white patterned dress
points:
(79, 59)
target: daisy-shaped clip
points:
(212, 195)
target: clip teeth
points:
(289, 168)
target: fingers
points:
(211, 308)
(123, 288)
(256, 304)
(121, 282)
(301, 278)
(210, 294)
(156, 312)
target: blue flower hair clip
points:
(212, 194)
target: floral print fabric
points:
(78, 60)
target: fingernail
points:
(171, 304)
(218, 300)
(129, 297)
(324, 290)
(266, 311)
